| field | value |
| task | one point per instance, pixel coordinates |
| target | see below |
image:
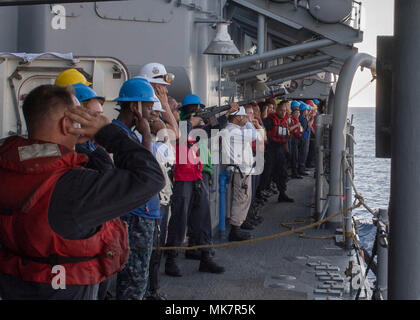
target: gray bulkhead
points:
(135, 32)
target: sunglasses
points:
(169, 77)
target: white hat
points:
(154, 72)
(240, 112)
(157, 106)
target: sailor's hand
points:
(195, 121)
(142, 125)
(89, 123)
(256, 124)
(156, 125)
(233, 108)
(162, 94)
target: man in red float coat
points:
(277, 127)
(58, 219)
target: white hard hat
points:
(156, 73)
(240, 112)
(157, 106)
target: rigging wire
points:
(363, 88)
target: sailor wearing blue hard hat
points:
(137, 99)
(304, 146)
(294, 104)
(192, 99)
(191, 104)
(303, 106)
(89, 98)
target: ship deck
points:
(285, 268)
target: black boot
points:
(155, 296)
(247, 225)
(255, 218)
(208, 265)
(303, 172)
(284, 198)
(192, 254)
(295, 175)
(171, 268)
(236, 234)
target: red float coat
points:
(29, 171)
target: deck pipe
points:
(404, 212)
(285, 51)
(261, 34)
(295, 76)
(348, 217)
(319, 160)
(338, 133)
(284, 67)
(224, 178)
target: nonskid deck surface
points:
(285, 268)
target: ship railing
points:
(380, 251)
(380, 247)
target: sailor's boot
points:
(208, 265)
(284, 198)
(236, 234)
(171, 268)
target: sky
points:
(378, 20)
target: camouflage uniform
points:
(132, 280)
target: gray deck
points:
(262, 270)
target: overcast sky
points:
(379, 20)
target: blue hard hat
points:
(294, 104)
(137, 89)
(316, 101)
(83, 93)
(303, 106)
(192, 99)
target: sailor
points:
(267, 108)
(253, 218)
(237, 147)
(77, 242)
(99, 159)
(277, 127)
(295, 138)
(310, 160)
(160, 79)
(136, 99)
(174, 105)
(164, 154)
(190, 199)
(190, 105)
(304, 147)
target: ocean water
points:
(372, 175)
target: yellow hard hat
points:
(70, 77)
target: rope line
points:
(269, 237)
(358, 197)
